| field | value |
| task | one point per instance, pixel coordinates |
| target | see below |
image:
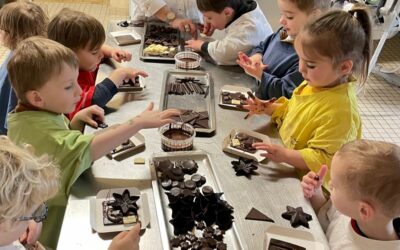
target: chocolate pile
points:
(233, 98)
(129, 85)
(296, 216)
(245, 167)
(244, 142)
(121, 210)
(196, 119)
(186, 86)
(192, 208)
(162, 35)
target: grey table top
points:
(275, 187)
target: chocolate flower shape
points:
(125, 202)
(296, 216)
(245, 167)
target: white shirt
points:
(242, 34)
(182, 8)
(341, 235)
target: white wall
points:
(271, 12)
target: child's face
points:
(340, 197)
(319, 71)
(217, 20)
(292, 19)
(61, 93)
(89, 58)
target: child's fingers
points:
(150, 106)
(322, 172)
(169, 113)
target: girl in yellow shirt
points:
(322, 114)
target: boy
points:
(85, 35)
(245, 27)
(27, 182)
(274, 62)
(365, 186)
(43, 74)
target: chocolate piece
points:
(162, 35)
(189, 166)
(166, 184)
(245, 167)
(185, 245)
(164, 165)
(200, 225)
(186, 86)
(196, 119)
(211, 242)
(176, 184)
(191, 237)
(245, 142)
(255, 214)
(121, 210)
(198, 179)
(189, 184)
(175, 173)
(221, 246)
(175, 242)
(296, 216)
(275, 244)
(207, 190)
(236, 98)
(125, 146)
(218, 234)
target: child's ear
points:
(228, 11)
(34, 98)
(345, 67)
(366, 210)
(315, 13)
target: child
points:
(85, 35)
(274, 62)
(43, 74)
(322, 114)
(365, 186)
(18, 21)
(27, 182)
(245, 27)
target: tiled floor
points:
(379, 104)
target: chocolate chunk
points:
(221, 246)
(200, 225)
(120, 209)
(211, 242)
(297, 217)
(219, 234)
(275, 244)
(245, 167)
(198, 179)
(189, 166)
(245, 143)
(175, 242)
(207, 190)
(191, 237)
(166, 184)
(255, 214)
(189, 184)
(185, 245)
(164, 165)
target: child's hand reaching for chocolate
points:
(312, 181)
(257, 106)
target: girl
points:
(322, 114)
(18, 20)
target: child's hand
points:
(121, 55)
(208, 29)
(184, 25)
(312, 182)
(127, 240)
(119, 75)
(257, 106)
(251, 65)
(194, 44)
(32, 233)
(89, 115)
(150, 118)
(274, 152)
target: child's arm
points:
(311, 184)
(116, 54)
(104, 142)
(278, 153)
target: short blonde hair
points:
(76, 30)
(26, 181)
(309, 5)
(35, 61)
(21, 20)
(373, 173)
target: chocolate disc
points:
(207, 190)
(190, 184)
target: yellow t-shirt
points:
(317, 122)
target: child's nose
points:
(282, 20)
(78, 90)
(302, 68)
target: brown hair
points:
(310, 5)
(21, 20)
(26, 181)
(217, 6)
(76, 30)
(373, 173)
(340, 35)
(35, 61)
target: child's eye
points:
(95, 52)
(68, 87)
(289, 17)
(310, 66)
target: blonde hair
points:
(76, 30)
(310, 5)
(21, 20)
(340, 35)
(35, 61)
(373, 173)
(26, 181)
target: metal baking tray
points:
(169, 58)
(164, 213)
(193, 102)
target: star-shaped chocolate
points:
(125, 202)
(245, 167)
(296, 216)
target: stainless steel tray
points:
(164, 213)
(169, 58)
(195, 102)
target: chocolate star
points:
(296, 216)
(245, 167)
(125, 202)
